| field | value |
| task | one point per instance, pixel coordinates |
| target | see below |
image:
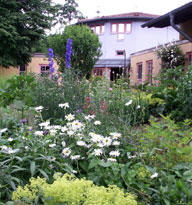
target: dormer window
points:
(98, 29)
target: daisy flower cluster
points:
(78, 140)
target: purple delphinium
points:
(50, 59)
(68, 53)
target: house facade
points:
(121, 35)
(144, 64)
(39, 64)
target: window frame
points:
(101, 28)
(120, 51)
(189, 56)
(44, 72)
(149, 70)
(22, 72)
(138, 73)
(125, 28)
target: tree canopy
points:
(86, 48)
(23, 23)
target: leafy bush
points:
(50, 93)
(86, 48)
(171, 56)
(166, 143)
(70, 190)
(17, 88)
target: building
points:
(39, 64)
(145, 63)
(121, 35)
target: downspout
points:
(171, 16)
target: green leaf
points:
(94, 162)
(44, 174)
(105, 164)
(32, 168)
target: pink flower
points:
(110, 89)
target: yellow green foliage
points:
(72, 191)
(151, 100)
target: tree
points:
(86, 48)
(23, 24)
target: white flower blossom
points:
(3, 130)
(38, 133)
(70, 132)
(154, 175)
(129, 103)
(44, 124)
(138, 107)
(116, 143)
(107, 141)
(111, 160)
(81, 143)
(64, 105)
(53, 132)
(63, 143)
(97, 122)
(98, 152)
(69, 117)
(64, 129)
(115, 153)
(89, 117)
(39, 109)
(10, 139)
(66, 151)
(4, 147)
(115, 135)
(52, 145)
(75, 157)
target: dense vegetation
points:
(106, 132)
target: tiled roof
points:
(132, 15)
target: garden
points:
(71, 138)
(68, 140)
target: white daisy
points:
(115, 135)
(107, 141)
(69, 117)
(66, 151)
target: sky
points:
(108, 7)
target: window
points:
(122, 28)
(22, 69)
(120, 53)
(98, 29)
(139, 71)
(45, 70)
(98, 71)
(120, 36)
(189, 58)
(149, 71)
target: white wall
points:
(139, 39)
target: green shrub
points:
(70, 190)
(17, 88)
(50, 93)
